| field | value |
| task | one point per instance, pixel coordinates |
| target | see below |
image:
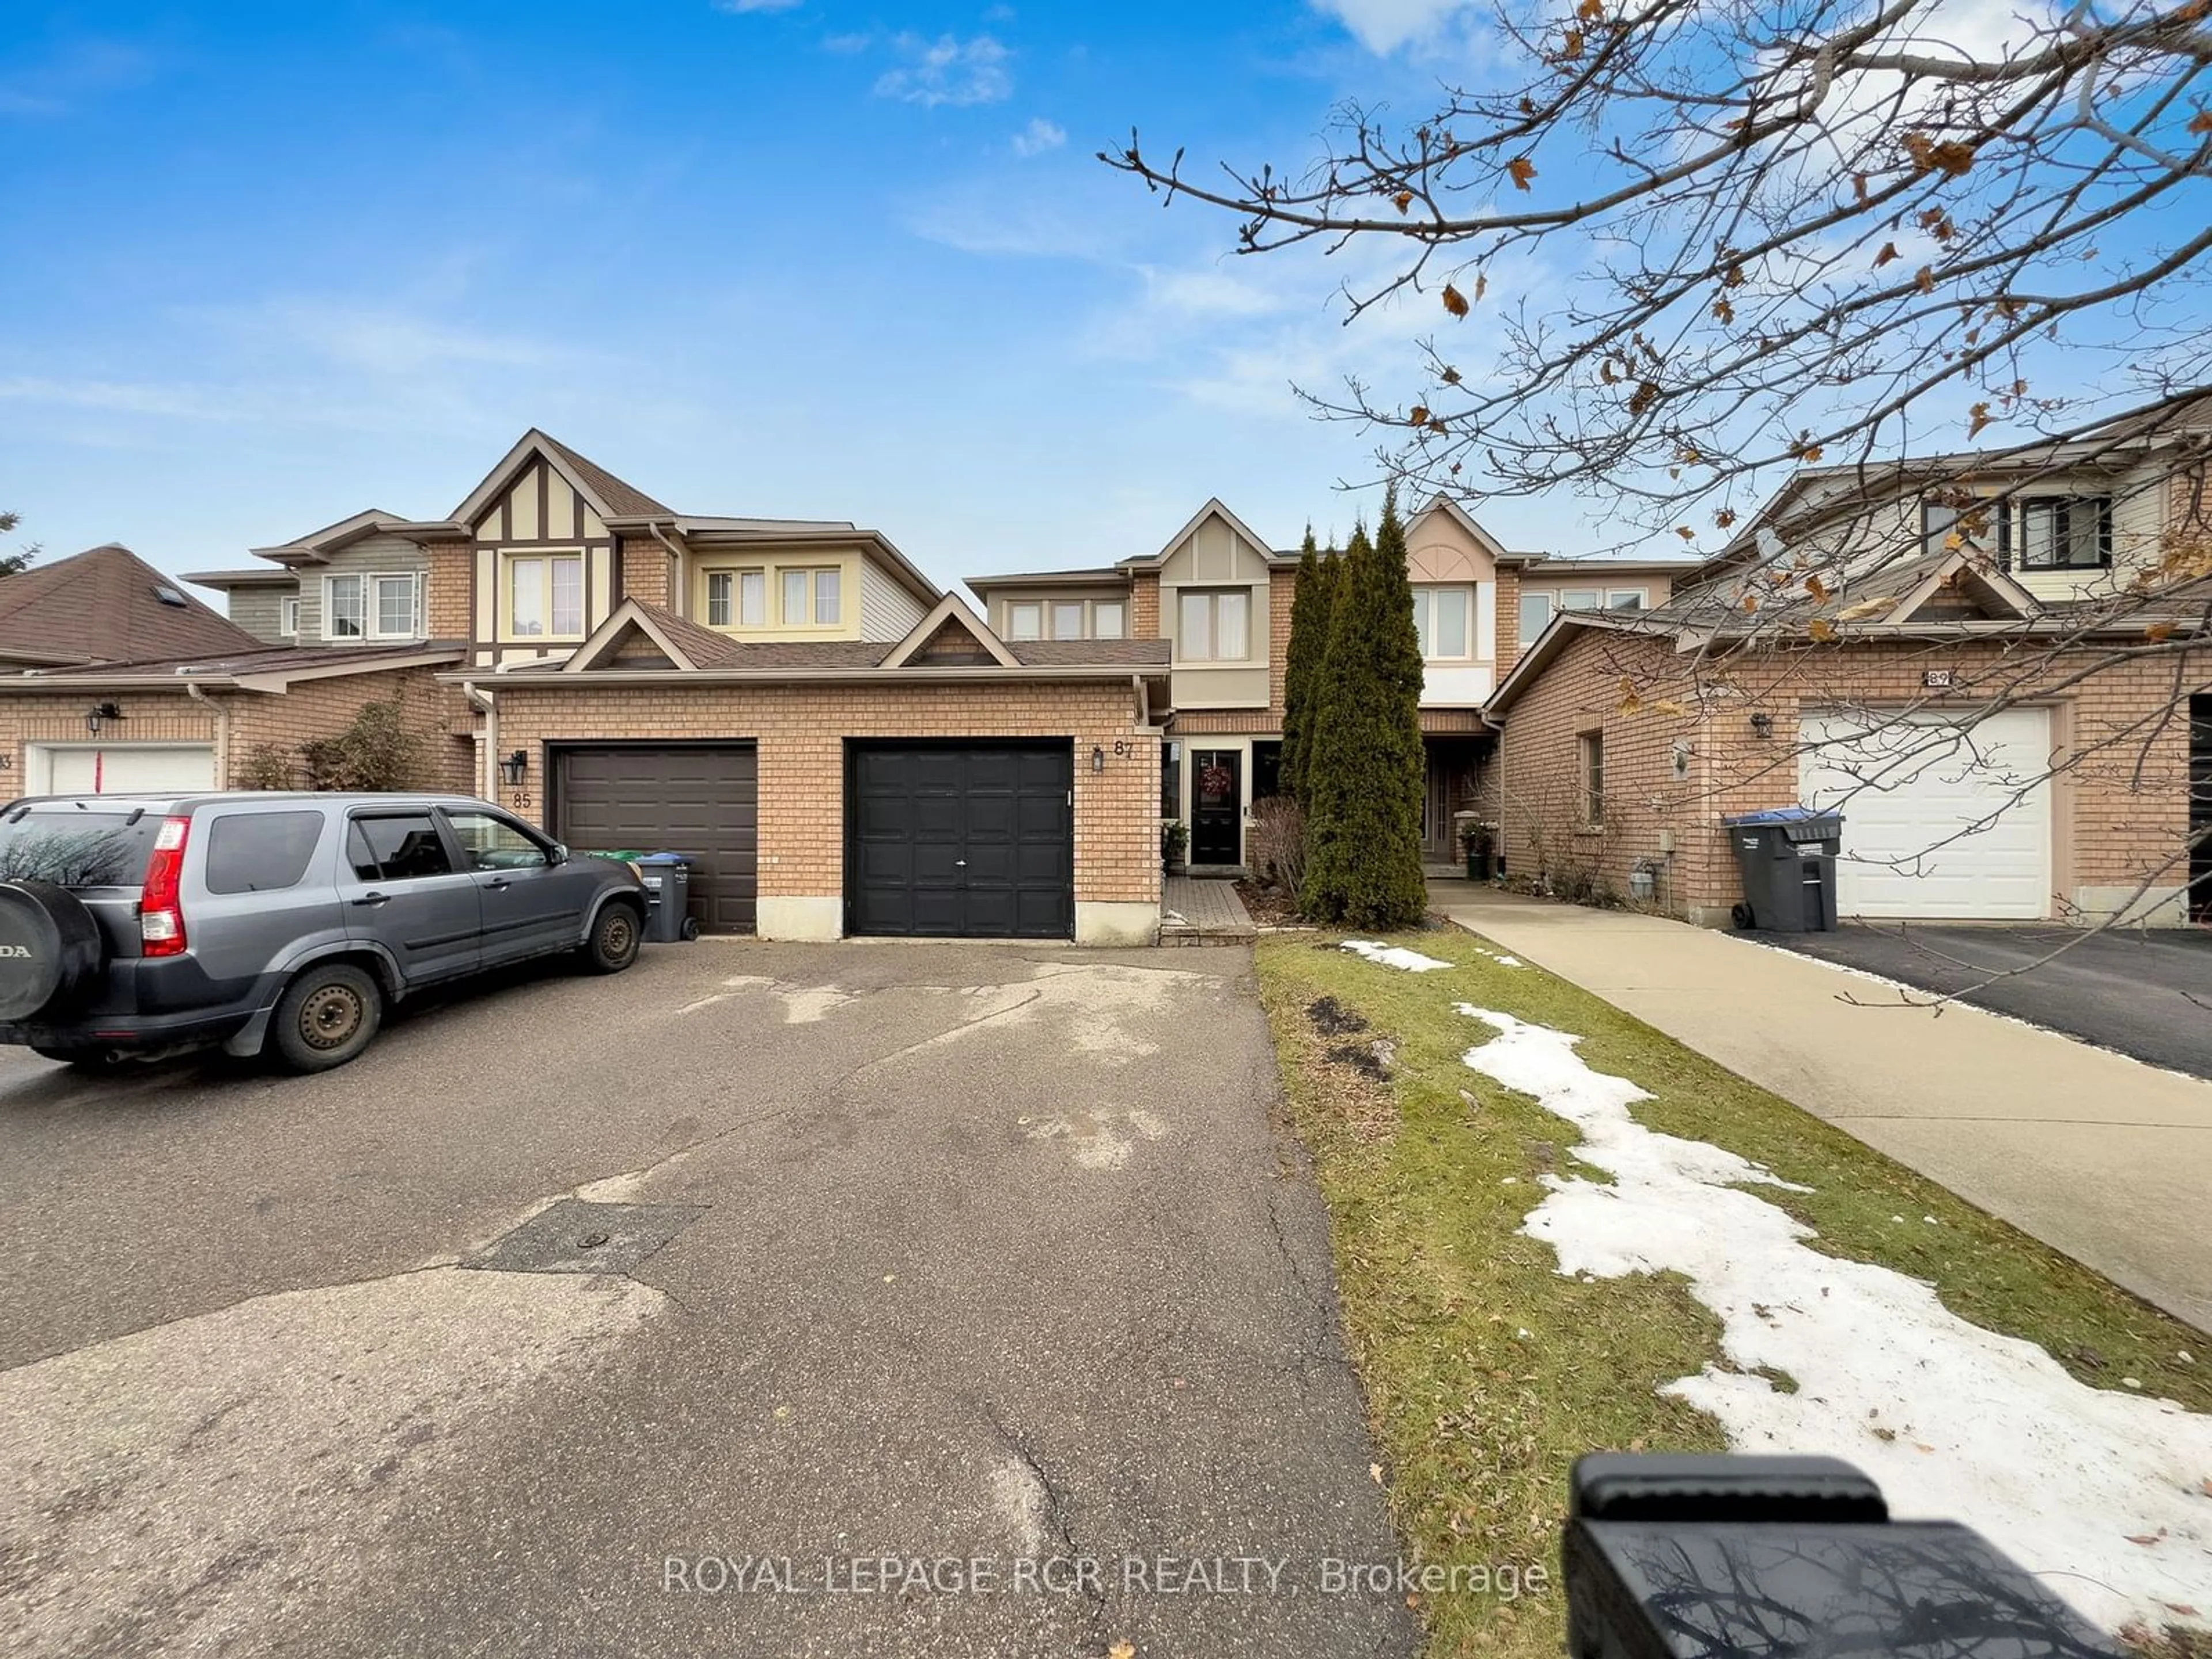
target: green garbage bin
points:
(1787, 859)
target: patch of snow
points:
(1507, 961)
(1953, 1421)
(1393, 956)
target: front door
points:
(1216, 805)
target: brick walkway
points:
(1202, 912)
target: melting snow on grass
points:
(1393, 956)
(2107, 1497)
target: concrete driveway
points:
(994, 1260)
(2140, 992)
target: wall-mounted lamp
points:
(98, 714)
(1098, 759)
(1762, 726)
(514, 767)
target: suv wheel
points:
(327, 1017)
(614, 941)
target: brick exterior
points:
(801, 729)
(1144, 605)
(1509, 619)
(1282, 589)
(2119, 800)
(644, 573)
(311, 708)
(445, 601)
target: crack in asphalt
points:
(937, 1038)
(1094, 1595)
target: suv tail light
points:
(160, 919)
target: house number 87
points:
(1121, 747)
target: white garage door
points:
(1938, 822)
(119, 769)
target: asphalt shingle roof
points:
(102, 606)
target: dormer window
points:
(2063, 532)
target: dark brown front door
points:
(699, 799)
(1216, 805)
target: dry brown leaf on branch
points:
(2157, 631)
(1418, 414)
(1402, 200)
(1866, 608)
(1888, 252)
(1822, 630)
(1571, 45)
(1522, 170)
(1817, 588)
(1455, 301)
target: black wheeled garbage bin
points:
(668, 897)
(1788, 857)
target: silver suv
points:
(134, 927)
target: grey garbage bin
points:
(668, 897)
(1788, 857)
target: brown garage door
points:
(699, 798)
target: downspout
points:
(221, 717)
(485, 700)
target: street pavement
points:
(995, 1259)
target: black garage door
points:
(964, 839)
(700, 798)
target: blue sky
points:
(267, 264)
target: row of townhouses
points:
(846, 748)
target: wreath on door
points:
(1215, 781)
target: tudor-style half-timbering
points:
(543, 562)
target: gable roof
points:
(263, 668)
(687, 645)
(316, 546)
(607, 495)
(948, 614)
(1214, 506)
(106, 605)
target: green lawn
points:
(1486, 1371)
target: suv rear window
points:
(72, 846)
(260, 851)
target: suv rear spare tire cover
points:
(50, 946)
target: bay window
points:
(545, 596)
(1440, 619)
(1214, 625)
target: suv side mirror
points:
(557, 853)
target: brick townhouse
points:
(2003, 692)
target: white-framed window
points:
(1110, 619)
(1626, 599)
(736, 599)
(376, 606)
(288, 615)
(397, 614)
(544, 596)
(1578, 599)
(1025, 621)
(814, 598)
(1536, 614)
(1067, 619)
(1213, 624)
(1590, 746)
(1440, 618)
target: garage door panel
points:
(989, 832)
(700, 799)
(1936, 824)
(122, 768)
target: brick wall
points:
(644, 573)
(1144, 605)
(2120, 798)
(446, 608)
(1282, 589)
(311, 708)
(801, 730)
(1509, 618)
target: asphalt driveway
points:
(997, 1319)
(2143, 992)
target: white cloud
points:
(742, 6)
(1039, 137)
(947, 70)
(1383, 25)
